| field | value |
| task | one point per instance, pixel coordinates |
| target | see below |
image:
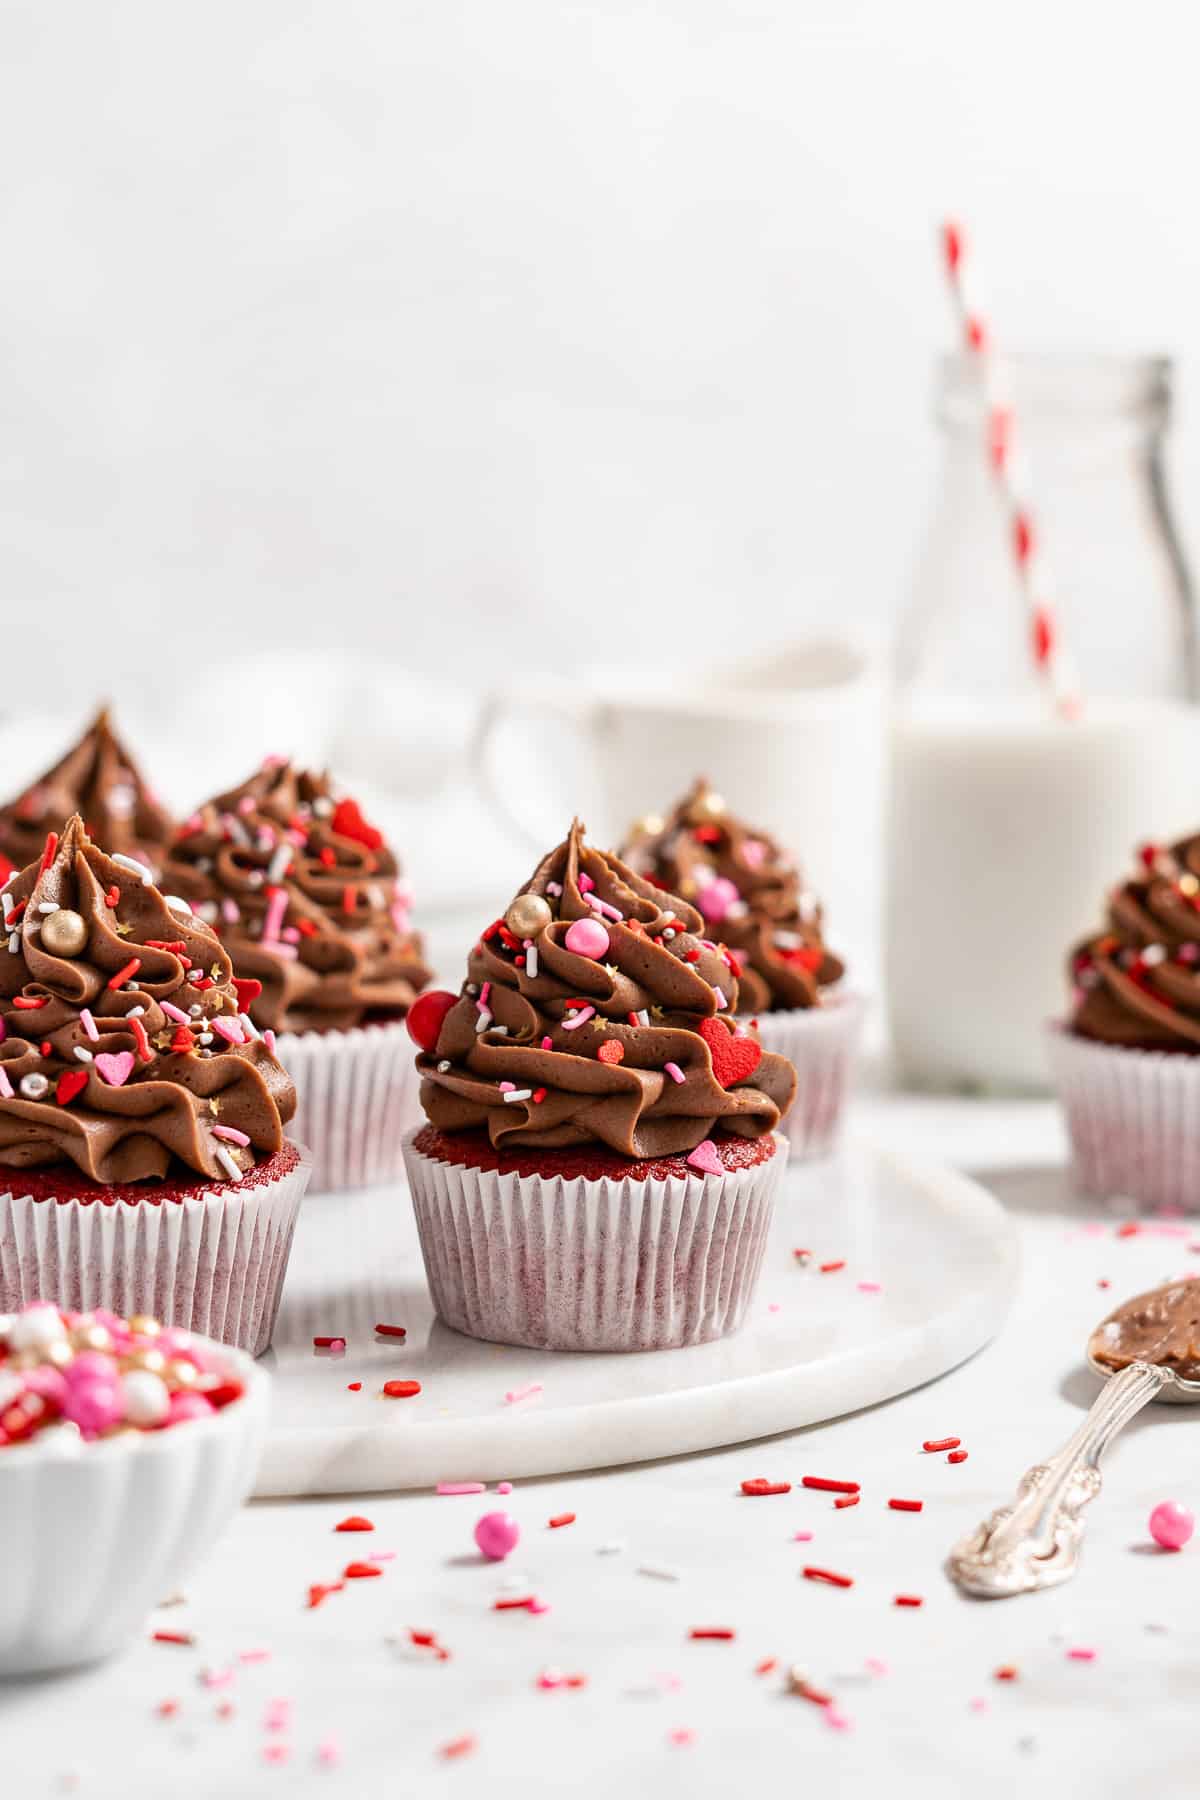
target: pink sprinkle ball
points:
(184, 1406)
(716, 898)
(587, 937)
(1171, 1525)
(497, 1534)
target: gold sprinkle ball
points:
(64, 933)
(528, 915)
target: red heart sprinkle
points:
(734, 1059)
(348, 822)
(70, 1084)
(611, 1051)
(247, 991)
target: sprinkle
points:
(767, 1666)
(279, 864)
(354, 1387)
(531, 957)
(957, 1456)
(51, 847)
(579, 1018)
(845, 1500)
(539, 1094)
(660, 1571)
(554, 889)
(89, 1024)
(561, 1519)
(829, 1487)
(135, 868)
(360, 1571)
(950, 1443)
(906, 1505)
(84, 1056)
(462, 1746)
(226, 1160)
(674, 1071)
(231, 1135)
(6, 1092)
(461, 1487)
(813, 1574)
(681, 1735)
(30, 1002)
(716, 1633)
(585, 884)
(722, 1002)
(329, 1752)
(831, 1268)
(329, 1343)
(517, 1094)
(870, 1287)
(908, 1600)
(125, 974)
(229, 1030)
(1006, 1672)
(802, 1537)
(171, 1637)
(173, 1012)
(513, 1603)
(354, 1522)
(483, 1021)
(1081, 1653)
(759, 1487)
(401, 1390)
(391, 1331)
(269, 1041)
(529, 1392)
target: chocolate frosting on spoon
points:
(1162, 1326)
(628, 1043)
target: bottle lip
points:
(1058, 387)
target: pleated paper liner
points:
(571, 1261)
(208, 1257)
(1133, 1117)
(822, 1042)
(356, 1097)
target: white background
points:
(508, 334)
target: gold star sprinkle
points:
(121, 930)
(214, 1107)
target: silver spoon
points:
(1035, 1542)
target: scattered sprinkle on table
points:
(461, 1746)
(759, 1487)
(561, 1519)
(354, 1522)
(827, 1575)
(401, 1390)
(1081, 1653)
(950, 1443)
(906, 1505)
(825, 1486)
(716, 1633)
(908, 1600)
(957, 1456)
(831, 1268)
(391, 1331)
(360, 1571)
(329, 1343)
(844, 1500)
(172, 1637)
(354, 1387)
(1006, 1672)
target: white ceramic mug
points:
(793, 740)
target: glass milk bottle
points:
(1007, 823)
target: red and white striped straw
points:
(1011, 469)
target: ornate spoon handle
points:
(1035, 1542)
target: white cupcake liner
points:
(95, 1537)
(356, 1096)
(609, 1263)
(1134, 1121)
(822, 1042)
(212, 1262)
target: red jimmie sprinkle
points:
(29, 1002)
(561, 1519)
(144, 1052)
(48, 852)
(908, 1600)
(829, 1575)
(844, 1500)
(957, 1456)
(327, 1343)
(360, 1571)
(355, 1522)
(506, 1604)
(906, 1505)
(354, 1387)
(126, 973)
(941, 1443)
(401, 1390)
(462, 1746)
(1006, 1672)
(721, 1633)
(830, 1487)
(398, 1331)
(172, 1637)
(758, 1487)
(767, 1666)
(831, 1268)
(321, 1590)
(113, 898)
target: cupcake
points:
(99, 780)
(600, 1161)
(308, 902)
(1126, 1061)
(143, 1166)
(750, 892)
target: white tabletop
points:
(918, 1706)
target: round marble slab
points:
(930, 1266)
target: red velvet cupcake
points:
(601, 1159)
(143, 1166)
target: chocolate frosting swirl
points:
(99, 780)
(747, 888)
(122, 1051)
(628, 1044)
(307, 899)
(1137, 983)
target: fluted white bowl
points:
(95, 1538)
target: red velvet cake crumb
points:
(474, 1150)
(63, 1184)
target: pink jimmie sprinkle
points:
(802, 1537)
(581, 1018)
(1081, 1653)
(870, 1287)
(586, 884)
(89, 1024)
(231, 1134)
(173, 1012)
(254, 1655)
(674, 1071)
(278, 1715)
(605, 908)
(515, 1395)
(269, 1041)
(539, 1606)
(382, 1556)
(484, 992)
(277, 907)
(681, 1735)
(722, 1002)
(6, 1092)
(329, 1752)
(875, 1665)
(977, 1705)
(836, 1719)
(229, 1029)
(461, 1487)
(216, 1678)
(276, 1752)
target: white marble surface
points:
(1123, 1722)
(936, 1252)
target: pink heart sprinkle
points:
(704, 1157)
(115, 1069)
